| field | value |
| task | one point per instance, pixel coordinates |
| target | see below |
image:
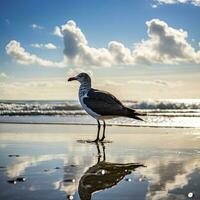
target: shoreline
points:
(91, 124)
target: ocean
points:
(159, 113)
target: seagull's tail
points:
(133, 114)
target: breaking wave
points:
(164, 105)
(53, 108)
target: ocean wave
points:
(39, 108)
(51, 108)
(163, 105)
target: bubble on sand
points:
(142, 178)
(128, 179)
(69, 180)
(190, 194)
(12, 181)
(73, 180)
(21, 179)
(103, 171)
(70, 197)
(13, 155)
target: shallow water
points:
(149, 121)
(140, 163)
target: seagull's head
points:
(82, 78)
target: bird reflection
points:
(103, 175)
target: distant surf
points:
(170, 113)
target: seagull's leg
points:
(104, 128)
(99, 152)
(98, 131)
(104, 153)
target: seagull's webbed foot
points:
(102, 139)
(96, 140)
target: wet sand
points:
(140, 163)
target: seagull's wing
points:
(104, 103)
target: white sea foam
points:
(167, 113)
(51, 108)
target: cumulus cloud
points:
(14, 49)
(44, 46)
(193, 2)
(36, 26)
(165, 45)
(78, 51)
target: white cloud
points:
(36, 26)
(78, 52)
(37, 45)
(193, 2)
(14, 49)
(196, 2)
(50, 46)
(154, 5)
(3, 76)
(165, 45)
(57, 32)
(44, 46)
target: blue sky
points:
(125, 22)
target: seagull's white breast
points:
(83, 95)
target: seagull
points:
(101, 105)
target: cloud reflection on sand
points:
(164, 175)
(24, 162)
(92, 175)
(169, 171)
(168, 174)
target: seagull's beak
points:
(72, 79)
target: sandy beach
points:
(137, 163)
(100, 100)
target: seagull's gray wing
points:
(104, 103)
